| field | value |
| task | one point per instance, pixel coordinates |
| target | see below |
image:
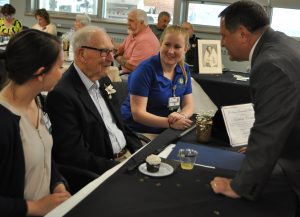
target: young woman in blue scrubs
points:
(160, 90)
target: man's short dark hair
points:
(247, 13)
(164, 13)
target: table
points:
(184, 193)
(224, 89)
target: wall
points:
(117, 31)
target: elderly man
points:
(191, 56)
(139, 45)
(273, 151)
(162, 22)
(86, 127)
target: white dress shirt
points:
(115, 134)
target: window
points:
(118, 9)
(286, 20)
(70, 6)
(105, 9)
(204, 13)
(3, 2)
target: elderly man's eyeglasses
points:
(104, 52)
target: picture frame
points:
(209, 53)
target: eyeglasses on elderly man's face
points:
(104, 52)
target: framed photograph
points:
(210, 60)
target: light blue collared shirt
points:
(115, 134)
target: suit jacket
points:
(80, 137)
(275, 136)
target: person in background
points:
(210, 58)
(273, 152)
(163, 21)
(140, 44)
(43, 22)
(191, 56)
(30, 184)
(81, 21)
(94, 136)
(160, 91)
(8, 24)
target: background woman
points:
(29, 184)
(8, 24)
(43, 22)
(160, 86)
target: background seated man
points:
(163, 21)
(139, 45)
(160, 86)
(191, 56)
(87, 128)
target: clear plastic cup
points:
(187, 158)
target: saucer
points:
(164, 170)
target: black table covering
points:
(224, 89)
(184, 193)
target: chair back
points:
(122, 90)
(76, 177)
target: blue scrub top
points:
(148, 80)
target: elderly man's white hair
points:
(141, 15)
(82, 37)
(84, 19)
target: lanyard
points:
(174, 90)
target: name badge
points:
(47, 122)
(174, 103)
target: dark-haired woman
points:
(8, 24)
(29, 184)
(43, 22)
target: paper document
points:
(238, 120)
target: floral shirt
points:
(15, 28)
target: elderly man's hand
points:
(222, 186)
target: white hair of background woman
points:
(84, 19)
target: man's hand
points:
(222, 186)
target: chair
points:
(76, 177)
(122, 90)
(122, 93)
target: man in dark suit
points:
(86, 127)
(273, 151)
